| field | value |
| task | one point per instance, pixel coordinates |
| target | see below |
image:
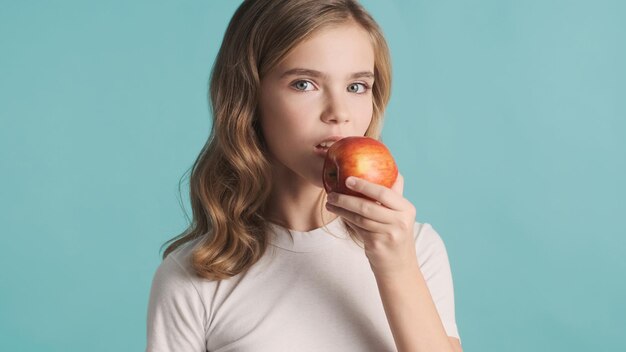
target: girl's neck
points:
(298, 208)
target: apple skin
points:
(362, 157)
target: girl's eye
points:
(302, 85)
(358, 88)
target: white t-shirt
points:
(316, 292)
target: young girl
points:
(268, 264)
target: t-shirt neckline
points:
(305, 241)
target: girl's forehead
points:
(336, 34)
(339, 48)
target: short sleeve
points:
(435, 266)
(176, 313)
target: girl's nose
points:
(336, 109)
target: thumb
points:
(398, 186)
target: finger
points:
(384, 195)
(359, 220)
(361, 231)
(363, 207)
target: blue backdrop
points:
(507, 120)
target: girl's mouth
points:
(319, 150)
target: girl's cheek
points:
(300, 104)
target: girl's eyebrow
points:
(318, 74)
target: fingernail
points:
(350, 181)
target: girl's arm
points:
(387, 228)
(411, 313)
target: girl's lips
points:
(321, 151)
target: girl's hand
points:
(385, 225)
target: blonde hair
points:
(231, 178)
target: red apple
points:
(362, 157)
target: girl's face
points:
(322, 88)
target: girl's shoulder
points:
(177, 312)
(428, 242)
(175, 271)
(424, 232)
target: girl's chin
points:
(318, 183)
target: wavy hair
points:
(230, 179)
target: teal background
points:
(507, 120)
